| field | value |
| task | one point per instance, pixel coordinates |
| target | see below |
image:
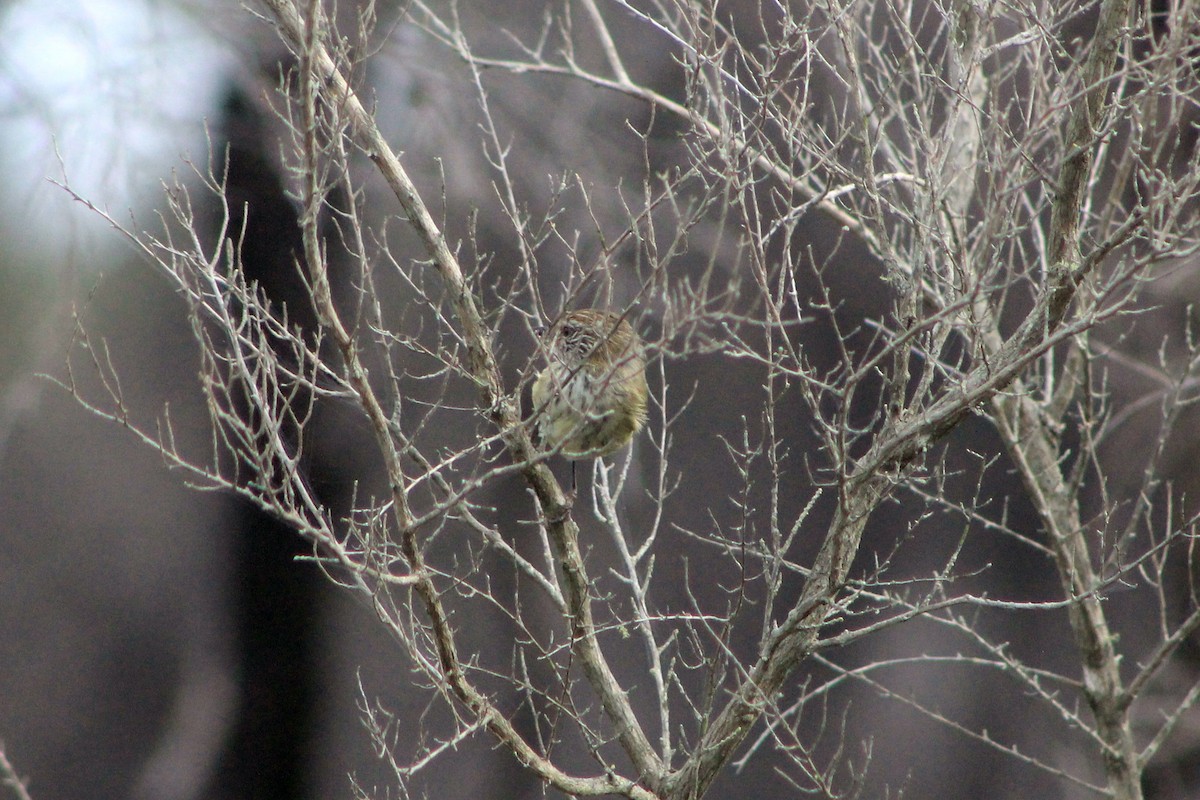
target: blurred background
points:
(158, 642)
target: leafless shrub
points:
(1011, 177)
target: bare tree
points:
(1014, 179)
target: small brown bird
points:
(592, 394)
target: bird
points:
(591, 396)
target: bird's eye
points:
(570, 330)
